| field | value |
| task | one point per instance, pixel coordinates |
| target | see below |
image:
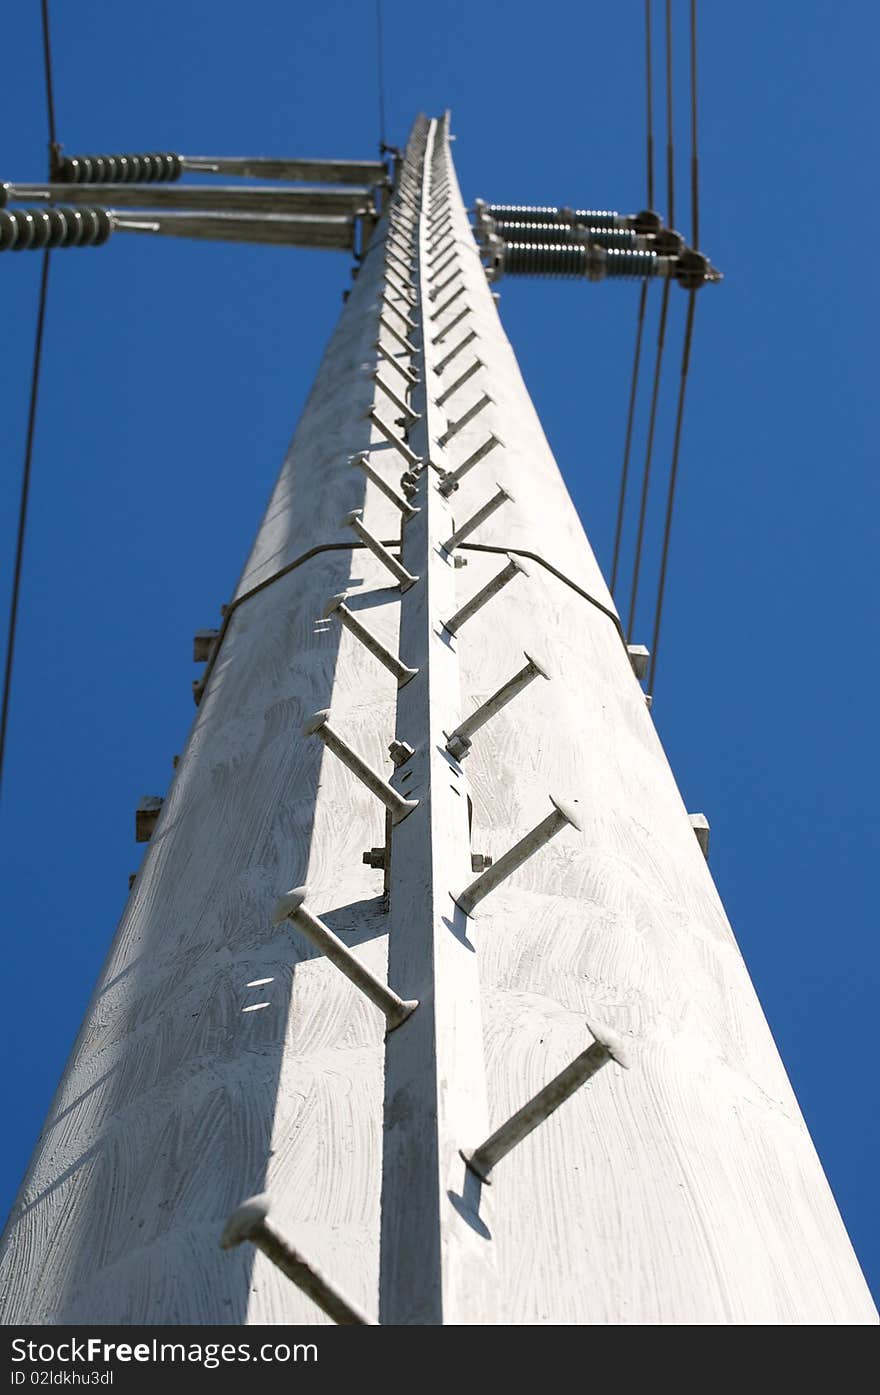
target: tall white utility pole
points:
(358, 1039)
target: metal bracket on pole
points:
(406, 580)
(291, 907)
(562, 816)
(393, 397)
(438, 290)
(638, 657)
(460, 381)
(400, 808)
(250, 1222)
(456, 319)
(441, 309)
(700, 824)
(453, 353)
(453, 478)
(455, 426)
(409, 373)
(606, 1047)
(396, 334)
(459, 741)
(391, 436)
(514, 568)
(503, 496)
(336, 606)
(362, 461)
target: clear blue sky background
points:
(174, 375)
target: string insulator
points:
(116, 169)
(573, 259)
(29, 229)
(624, 238)
(525, 213)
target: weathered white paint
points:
(220, 1057)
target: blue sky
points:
(174, 374)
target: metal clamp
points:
(502, 496)
(459, 741)
(638, 657)
(292, 907)
(606, 1047)
(561, 817)
(249, 1222)
(514, 567)
(336, 606)
(399, 808)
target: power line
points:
(685, 357)
(649, 104)
(643, 298)
(47, 68)
(624, 474)
(673, 478)
(381, 69)
(670, 141)
(23, 510)
(9, 663)
(649, 450)
(695, 168)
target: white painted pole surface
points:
(223, 1057)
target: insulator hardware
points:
(250, 1222)
(526, 213)
(573, 259)
(493, 586)
(606, 1047)
(459, 741)
(116, 169)
(561, 818)
(562, 233)
(29, 229)
(292, 907)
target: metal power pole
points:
(424, 1008)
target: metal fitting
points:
(606, 1047)
(514, 568)
(397, 570)
(398, 807)
(291, 907)
(460, 740)
(250, 1222)
(562, 816)
(336, 606)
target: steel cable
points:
(18, 565)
